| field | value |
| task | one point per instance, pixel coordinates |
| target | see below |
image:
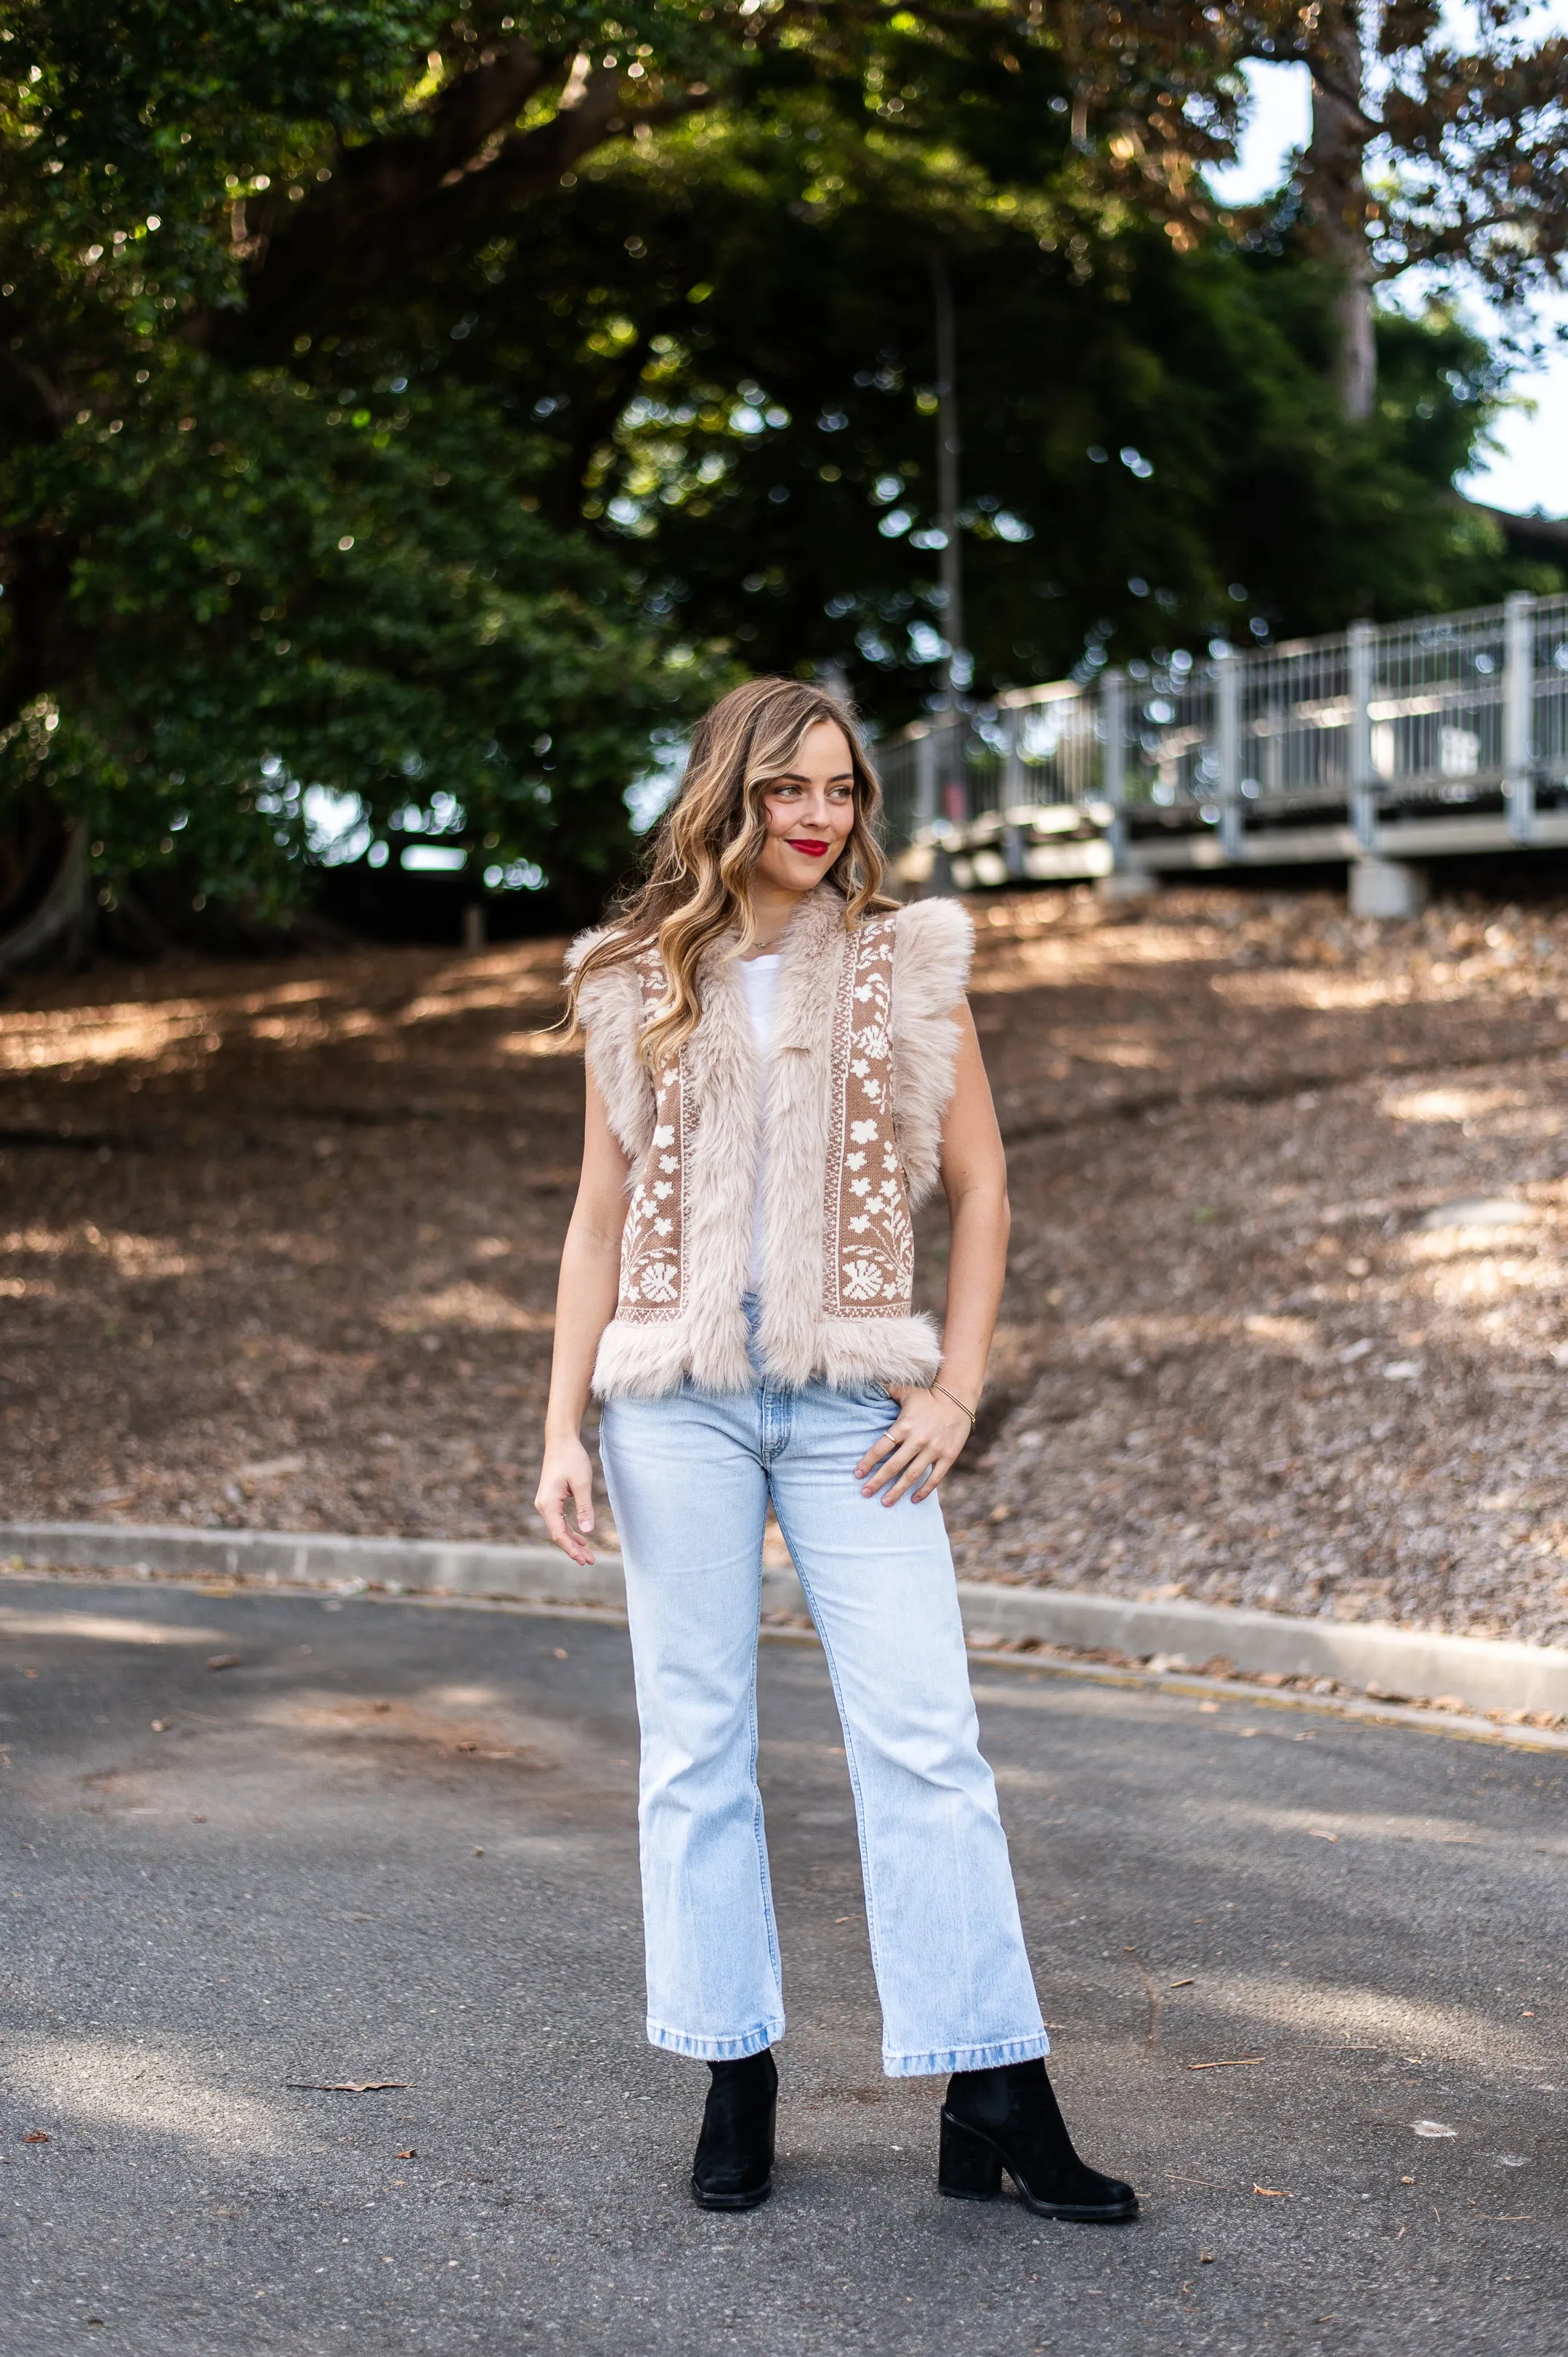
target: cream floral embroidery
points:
(651, 1262)
(869, 1247)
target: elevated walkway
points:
(1382, 749)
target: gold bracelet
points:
(971, 1411)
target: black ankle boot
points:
(734, 2166)
(1007, 2119)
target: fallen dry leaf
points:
(36, 2135)
(1318, 1834)
(223, 1660)
(408, 2153)
(1274, 2193)
(343, 2086)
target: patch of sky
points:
(650, 794)
(433, 858)
(1522, 465)
(1278, 120)
(336, 827)
(444, 814)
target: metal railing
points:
(1402, 718)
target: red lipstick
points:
(810, 843)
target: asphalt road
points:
(396, 1843)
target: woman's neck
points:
(771, 909)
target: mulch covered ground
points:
(277, 1248)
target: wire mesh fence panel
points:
(1549, 683)
(1450, 708)
(1435, 708)
(1295, 730)
(1170, 751)
(898, 766)
(1053, 753)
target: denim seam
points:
(716, 2050)
(992, 2055)
(867, 1876)
(759, 1832)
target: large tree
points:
(1151, 446)
(1428, 149)
(253, 538)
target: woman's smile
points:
(811, 845)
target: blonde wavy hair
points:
(697, 886)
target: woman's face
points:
(810, 812)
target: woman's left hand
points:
(921, 1445)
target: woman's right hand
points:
(565, 1497)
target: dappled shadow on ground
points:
(278, 1249)
(314, 2010)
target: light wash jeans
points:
(690, 1477)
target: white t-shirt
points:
(759, 976)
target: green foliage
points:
(745, 398)
(227, 585)
(347, 589)
(433, 407)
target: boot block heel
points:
(969, 2168)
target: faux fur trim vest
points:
(862, 1071)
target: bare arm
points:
(585, 1303)
(929, 1431)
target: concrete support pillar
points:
(1112, 730)
(1112, 736)
(1228, 750)
(1519, 715)
(1362, 779)
(1387, 887)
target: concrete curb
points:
(1486, 1674)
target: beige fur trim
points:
(721, 1179)
(611, 1012)
(853, 1350)
(933, 945)
(799, 1115)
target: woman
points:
(781, 1063)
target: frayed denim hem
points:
(716, 2050)
(966, 2058)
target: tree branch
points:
(399, 201)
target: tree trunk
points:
(43, 885)
(1337, 198)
